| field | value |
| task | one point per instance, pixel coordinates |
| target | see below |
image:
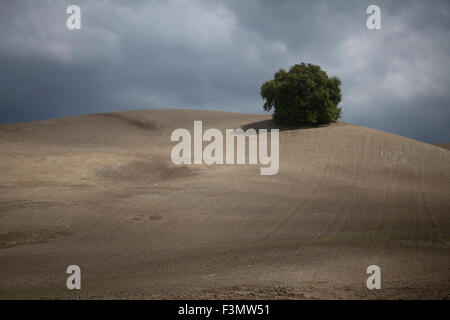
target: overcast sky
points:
(216, 54)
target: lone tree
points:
(304, 95)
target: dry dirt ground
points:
(100, 191)
(444, 145)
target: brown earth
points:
(100, 191)
(444, 145)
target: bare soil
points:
(100, 191)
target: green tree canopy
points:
(304, 95)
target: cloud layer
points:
(216, 54)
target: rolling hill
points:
(101, 192)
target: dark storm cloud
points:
(216, 54)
